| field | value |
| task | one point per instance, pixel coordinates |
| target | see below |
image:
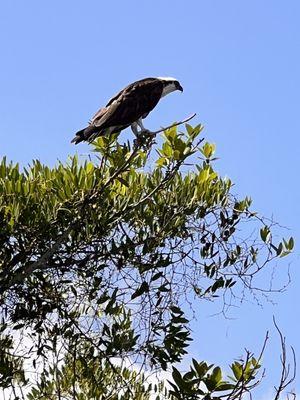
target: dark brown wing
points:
(132, 103)
(97, 117)
(129, 88)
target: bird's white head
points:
(170, 85)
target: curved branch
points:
(175, 124)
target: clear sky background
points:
(239, 64)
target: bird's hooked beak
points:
(179, 87)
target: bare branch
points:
(287, 377)
(175, 124)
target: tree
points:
(98, 257)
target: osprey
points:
(128, 108)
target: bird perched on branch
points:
(128, 108)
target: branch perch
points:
(175, 124)
(143, 137)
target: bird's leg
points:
(144, 137)
(134, 128)
(140, 124)
(143, 129)
(135, 125)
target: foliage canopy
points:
(97, 258)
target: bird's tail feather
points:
(88, 134)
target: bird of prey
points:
(128, 108)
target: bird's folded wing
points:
(105, 116)
(130, 104)
(97, 117)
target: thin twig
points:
(175, 124)
(285, 379)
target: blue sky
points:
(239, 64)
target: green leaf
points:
(167, 150)
(176, 310)
(189, 129)
(201, 368)
(217, 285)
(156, 276)
(208, 149)
(291, 244)
(279, 249)
(225, 386)
(162, 161)
(144, 288)
(212, 381)
(237, 370)
(265, 233)
(193, 132)
(171, 133)
(216, 374)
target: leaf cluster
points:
(205, 381)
